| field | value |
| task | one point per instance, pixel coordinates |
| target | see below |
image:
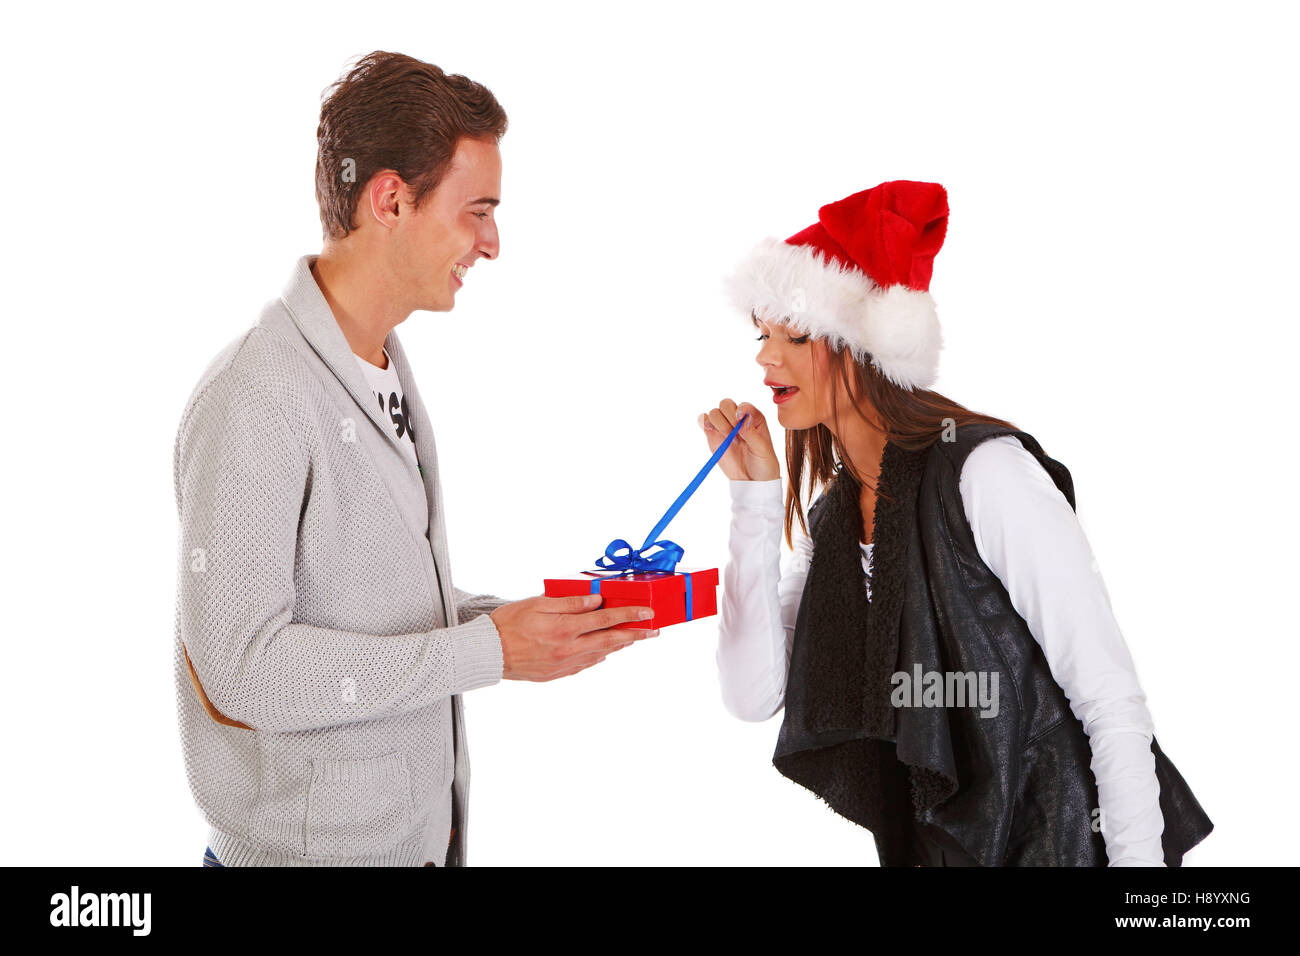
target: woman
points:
(952, 674)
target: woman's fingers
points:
(720, 420)
(760, 456)
(717, 424)
(723, 419)
(755, 427)
(755, 424)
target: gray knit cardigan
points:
(319, 650)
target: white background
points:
(1118, 280)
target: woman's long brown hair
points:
(912, 419)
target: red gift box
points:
(665, 592)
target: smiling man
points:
(321, 648)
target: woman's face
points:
(802, 365)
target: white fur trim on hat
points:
(897, 326)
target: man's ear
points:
(388, 197)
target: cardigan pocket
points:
(357, 807)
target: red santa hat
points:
(859, 277)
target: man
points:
(321, 648)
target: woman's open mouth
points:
(783, 393)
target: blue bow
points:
(635, 560)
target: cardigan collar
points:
(311, 314)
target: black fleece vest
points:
(1015, 789)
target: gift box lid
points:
(644, 582)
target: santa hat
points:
(859, 277)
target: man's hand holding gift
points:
(543, 638)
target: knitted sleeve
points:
(469, 606)
(241, 476)
(1028, 535)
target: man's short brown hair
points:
(392, 111)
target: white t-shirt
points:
(387, 389)
(1027, 534)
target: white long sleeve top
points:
(1030, 537)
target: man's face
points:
(435, 245)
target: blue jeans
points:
(210, 858)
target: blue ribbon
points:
(635, 560)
